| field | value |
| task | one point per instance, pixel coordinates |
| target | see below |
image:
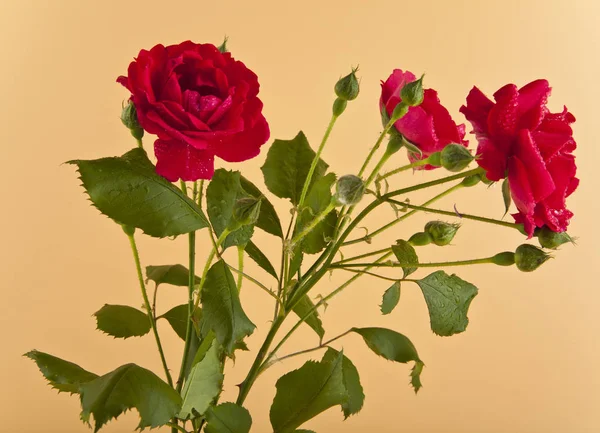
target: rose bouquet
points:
(200, 103)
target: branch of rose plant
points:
(314, 275)
(458, 214)
(346, 211)
(283, 270)
(373, 274)
(415, 265)
(138, 267)
(370, 236)
(312, 349)
(255, 281)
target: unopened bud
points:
(412, 93)
(130, 120)
(550, 239)
(529, 257)
(245, 212)
(455, 157)
(420, 239)
(441, 232)
(349, 190)
(347, 88)
(506, 258)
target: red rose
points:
(428, 126)
(519, 138)
(200, 103)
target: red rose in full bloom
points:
(200, 103)
(428, 126)
(520, 139)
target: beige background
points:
(528, 362)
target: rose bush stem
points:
(138, 267)
(415, 265)
(403, 217)
(459, 215)
(315, 161)
(418, 163)
(320, 346)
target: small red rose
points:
(521, 139)
(428, 126)
(201, 103)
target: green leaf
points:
(391, 297)
(268, 220)
(177, 275)
(287, 166)
(506, 195)
(314, 321)
(177, 318)
(203, 385)
(393, 346)
(316, 202)
(221, 195)
(356, 396)
(129, 386)
(304, 393)
(406, 254)
(228, 418)
(122, 321)
(128, 190)
(221, 308)
(260, 259)
(62, 375)
(448, 299)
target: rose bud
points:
(245, 212)
(412, 93)
(349, 190)
(506, 258)
(441, 232)
(347, 88)
(552, 240)
(420, 239)
(529, 257)
(130, 120)
(455, 157)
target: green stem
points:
(138, 266)
(240, 279)
(306, 230)
(189, 327)
(460, 215)
(362, 256)
(403, 217)
(386, 129)
(140, 143)
(312, 349)
(176, 427)
(315, 161)
(255, 281)
(376, 170)
(415, 265)
(209, 260)
(418, 163)
(373, 274)
(255, 368)
(200, 192)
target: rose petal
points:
(540, 179)
(477, 110)
(393, 85)
(445, 128)
(521, 192)
(244, 145)
(492, 159)
(503, 117)
(177, 160)
(532, 103)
